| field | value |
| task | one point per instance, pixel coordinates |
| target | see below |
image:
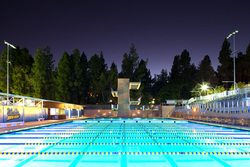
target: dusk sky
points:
(160, 29)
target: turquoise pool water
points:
(126, 143)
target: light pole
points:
(234, 51)
(8, 45)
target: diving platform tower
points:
(123, 95)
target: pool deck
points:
(238, 127)
(37, 124)
(34, 124)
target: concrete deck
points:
(34, 124)
(238, 127)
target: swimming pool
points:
(126, 143)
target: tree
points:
(104, 84)
(182, 78)
(19, 59)
(143, 74)
(64, 77)
(240, 85)
(240, 68)
(19, 75)
(189, 79)
(159, 82)
(134, 57)
(246, 64)
(206, 72)
(188, 70)
(129, 64)
(23, 58)
(139, 73)
(76, 76)
(72, 79)
(103, 65)
(146, 83)
(225, 69)
(168, 92)
(175, 73)
(185, 61)
(84, 79)
(107, 81)
(42, 78)
(127, 68)
(96, 66)
(3, 72)
(100, 86)
(113, 77)
(219, 89)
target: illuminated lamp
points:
(194, 109)
(204, 87)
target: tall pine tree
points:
(225, 69)
(159, 81)
(247, 64)
(19, 71)
(64, 77)
(76, 76)
(84, 79)
(129, 64)
(97, 66)
(206, 72)
(42, 78)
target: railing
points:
(171, 112)
(98, 107)
(224, 94)
(182, 108)
(137, 107)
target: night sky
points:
(160, 29)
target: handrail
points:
(171, 112)
(216, 96)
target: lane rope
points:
(142, 138)
(111, 133)
(181, 144)
(124, 153)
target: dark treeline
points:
(81, 81)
